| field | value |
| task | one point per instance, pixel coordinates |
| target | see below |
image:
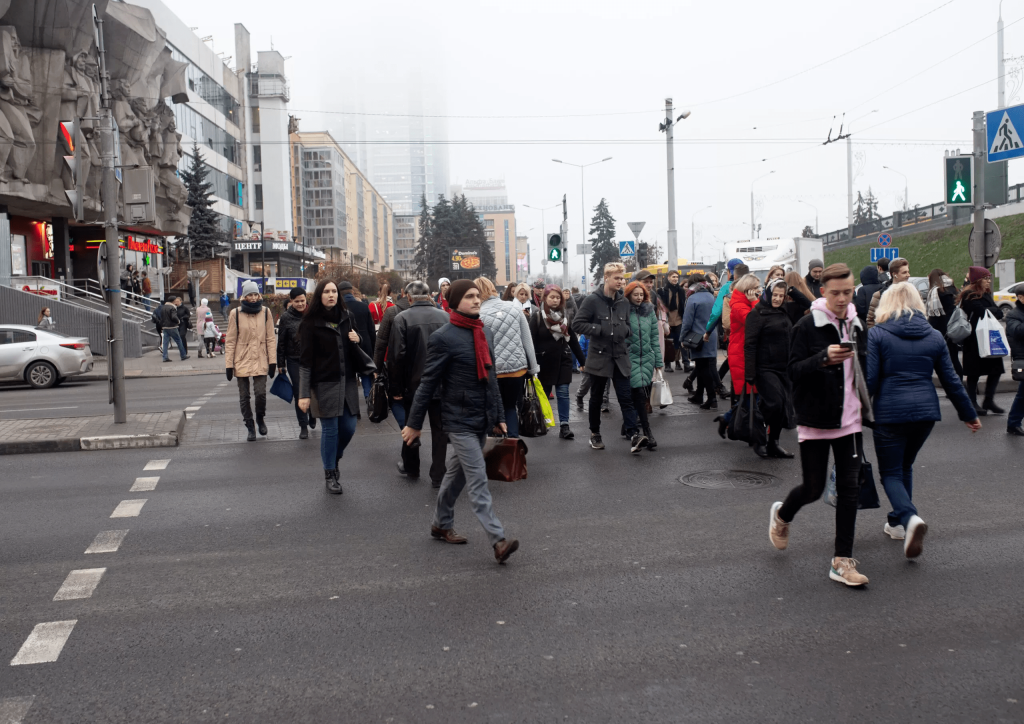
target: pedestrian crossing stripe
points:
(1006, 138)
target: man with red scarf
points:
(460, 360)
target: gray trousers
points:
(260, 388)
(465, 466)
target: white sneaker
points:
(778, 529)
(914, 543)
(895, 532)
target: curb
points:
(97, 442)
(145, 376)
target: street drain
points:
(727, 480)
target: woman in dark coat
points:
(555, 345)
(941, 303)
(766, 351)
(798, 297)
(975, 300)
(329, 361)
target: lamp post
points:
(693, 242)
(583, 208)
(666, 126)
(752, 227)
(799, 201)
(543, 233)
(849, 173)
(906, 193)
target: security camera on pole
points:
(666, 128)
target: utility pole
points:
(108, 199)
(980, 154)
(565, 244)
(849, 186)
(1000, 70)
(671, 242)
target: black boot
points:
(688, 385)
(669, 368)
(679, 365)
(722, 392)
(312, 422)
(579, 402)
(722, 426)
(261, 425)
(992, 407)
(776, 451)
(652, 444)
(760, 451)
(566, 433)
(711, 404)
(251, 427)
(304, 433)
(332, 482)
(694, 400)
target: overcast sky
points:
(747, 70)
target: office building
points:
(407, 236)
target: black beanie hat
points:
(296, 292)
(458, 291)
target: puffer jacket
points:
(644, 350)
(740, 307)
(513, 344)
(902, 354)
(468, 404)
(250, 339)
(288, 338)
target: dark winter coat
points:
(327, 367)
(605, 321)
(818, 388)
(407, 345)
(169, 316)
(288, 338)
(974, 364)
(468, 404)
(380, 347)
(554, 355)
(184, 320)
(796, 305)
(362, 322)
(695, 319)
(766, 353)
(902, 355)
(869, 285)
(814, 285)
(1015, 330)
(947, 297)
(644, 344)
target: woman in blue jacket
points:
(903, 351)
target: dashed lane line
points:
(45, 643)
(107, 541)
(80, 584)
(13, 709)
(157, 465)
(143, 485)
(128, 508)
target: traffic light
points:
(554, 247)
(641, 255)
(71, 139)
(959, 180)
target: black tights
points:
(991, 382)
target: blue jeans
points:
(367, 381)
(465, 467)
(562, 393)
(170, 334)
(896, 447)
(336, 433)
(1016, 416)
(512, 390)
(398, 410)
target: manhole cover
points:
(727, 480)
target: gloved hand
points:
(273, 371)
(230, 372)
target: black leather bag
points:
(363, 363)
(746, 423)
(693, 340)
(1017, 370)
(531, 417)
(379, 403)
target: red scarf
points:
(483, 355)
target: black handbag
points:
(379, 403)
(362, 362)
(531, 417)
(693, 340)
(1017, 370)
(746, 423)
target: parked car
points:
(922, 286)
(41, 358)
(1007, 296)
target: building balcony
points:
(269, 85)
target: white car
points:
(41, 358)
(1007, 296)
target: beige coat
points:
(251, 343)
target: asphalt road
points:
(242, 591)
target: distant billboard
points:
(465, 259)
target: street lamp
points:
(799, 201)
(849, 172)
(583, 211)
(906, 194)
(752, 202)
(543, 234)
(666, 127)
(693, 242)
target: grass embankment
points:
(944, 249)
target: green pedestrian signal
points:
(959, 180)
(554, 247)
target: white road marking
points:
(209, 394)
(189, 415)
(128, 508)
(14, 709)
(80, 584)
(156, 465)
(41, 409)
(106, 541)
(192, 408)
(144, 484)
(45, 643)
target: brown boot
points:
(448, 536)
(504, 548)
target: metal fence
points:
(18, 307)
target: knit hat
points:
(458, 291)
(296, 292)
(977, 273)
(209, 315)
(204, 301)
(343, 286)
(443, 280)
(250, 287)
(815, 263)
(538, 283)
(733, 263)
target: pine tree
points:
(205, 235)
(602, 236)
(871, 204)
(808, 232)
(860, 210)
(426, 229)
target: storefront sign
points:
(248, 246)
(278, 285)
(132, 243)
(40, 288)
(285, 246)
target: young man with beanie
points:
(248, 354)
(813, 278)
(460, 363)
(288, 352)
(362, 323)
(827, 365)
(604, 319)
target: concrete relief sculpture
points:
(55, 76)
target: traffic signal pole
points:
(565, 241)
(980, 155)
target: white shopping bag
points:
(661, 395)
(991, 337)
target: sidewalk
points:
(151, 364)
(156, 429)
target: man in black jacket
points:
(1015, 336)
(169, 326)
(288, 352)
(406, 360)
(813, 278)
(184, 323)
(826, 366)
(460, 362)
(870, 283)
(604, 319)
(362, 323)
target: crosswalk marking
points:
(107, 541)
(128, 508)
(192, 408)
(13, 709)
(80, 584)
(156, 465)
(45, 643)
(143, 484)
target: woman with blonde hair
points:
(776, 272)
(903, 353)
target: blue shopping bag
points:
(282, 387)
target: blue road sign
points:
(626, 248)
(884, 239)
(882, 253)
(1004, 140)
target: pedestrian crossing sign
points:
(959, 180)
(626, 248)
(1001, 128)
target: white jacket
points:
(513, 344)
